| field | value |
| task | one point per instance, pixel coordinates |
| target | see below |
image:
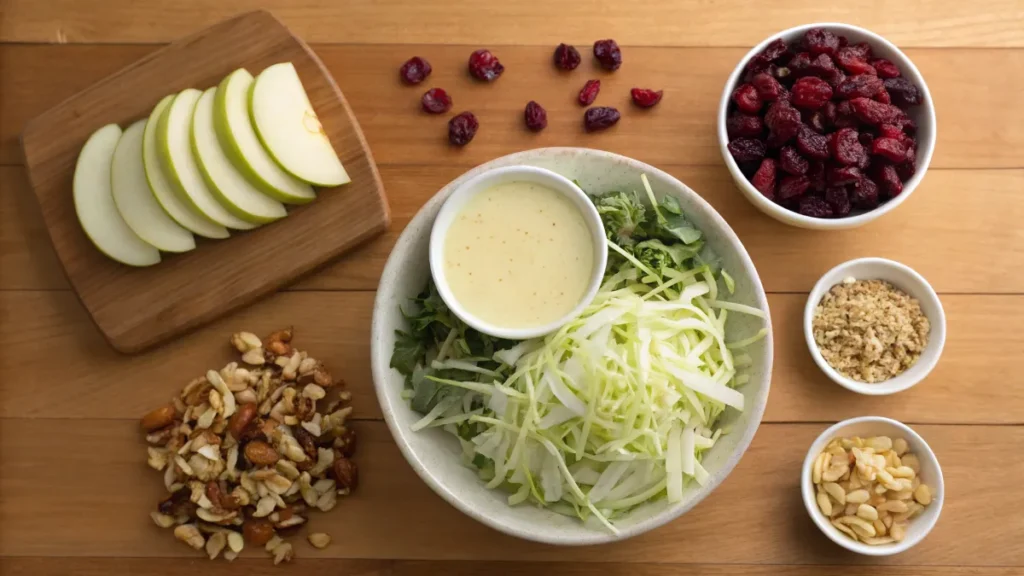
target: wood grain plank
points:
(977, 380)
(977, 127)
(395, 515)
(788, 259)
(690, 23)
(310, 565)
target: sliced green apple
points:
(238, 138)
(161, 185)
(94, 203)
(173, 137)
(135, 201)
(236, 193)
(290, 130)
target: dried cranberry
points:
(821, 41)
(845, 117)
(484, 65)
(862, 86)
(783, 120)
(415, 70)
(845, 147)
(645, 98)
(602, 117)
(866, 138)
(888, 180)
(815, 120)
(885, 68)
(535, 116)
(745, 97)
(812, 144)
(608, 54)
(814, 207)
(890, 149)
(791, 161)
(862, 50)
(908, 168)
(865, 196)
(843, 175)
(890, 131)
(816, 174)
(800, 64)
(811, 93)
(764, 178)
(744, 125)
(883, 97)
(823, 67)
(793, 186)
(742, 149)
(768, 88)
(829, 109)
(775, 49)
(436, 101)
(903, 92)
(589, 92)
(839, 199)
(462, 128)
(875, 113)
(853, 61)
(567, 57)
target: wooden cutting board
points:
(138, 307)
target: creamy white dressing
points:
(519, 255)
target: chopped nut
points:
(189, 534)
(159, 418)
(923, 495)
(254, 357)
(235, 541)
(282, 553)
(319, 540)
(162, 520)
(216, 544)
(274, 542)
(245, 341)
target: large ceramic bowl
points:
(435, 454)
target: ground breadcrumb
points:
(869, 330)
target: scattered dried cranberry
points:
(812, 144)
(839, 200)
(862, 86)
(846, 147)
(742, 149)
(889, 148)
(415, 70)
(602, 117)
(462, 128)
(876, 113)
(791, 161)
(535, 116)
(768, 88)
(821, 41)
(436, 101)
(885, 68)
(745, 97)
(645, 98)
(608, 54)
(567, 57)
(783, 120)
(814, 207)
(764, 178)
(888, 180)
(793, 186)
(484, 65)
(854, 61)
(843, 175)
(903, 92)
(744, 125)
(811, 93)
(589, 92)
(865, 196)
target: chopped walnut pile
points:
(248, 450)
(869, 330)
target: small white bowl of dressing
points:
(517, 252)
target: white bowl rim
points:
(379, 374)
(908, 69)
(553, 180)
(807, 490)
(923, 367)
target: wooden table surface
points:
(74, 489)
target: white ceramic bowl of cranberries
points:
(813, 169)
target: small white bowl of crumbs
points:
(874, 326)
(872, 485)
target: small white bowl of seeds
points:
(874, 326)
(872, 485)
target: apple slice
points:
(94, 202)
(173, 135)
(135, 201)
(238, 138)
(161, 185)
(290, 129)
(236, 193)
